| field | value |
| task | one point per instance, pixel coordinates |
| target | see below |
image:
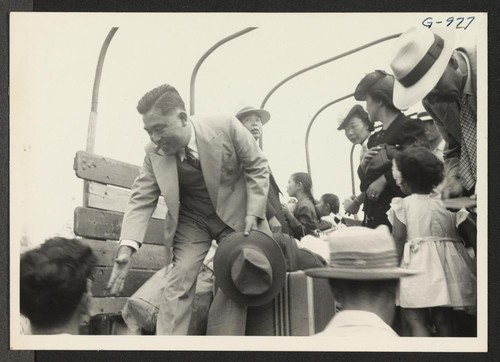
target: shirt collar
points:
(191, 145)
(192, 141)
(365, 142)
(347, 318)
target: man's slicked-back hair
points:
(165, 98)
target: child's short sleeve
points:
(397, 210)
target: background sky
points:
(52, 67)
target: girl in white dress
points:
(427, 239)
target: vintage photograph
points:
(248, 181)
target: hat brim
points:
(227, 252)
(342, 124)
(264, 115)
(405, 97)
(360, 274)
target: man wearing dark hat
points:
(376, 180)
(253, 119)
(427, 67)
(364, 276)
(214, 179)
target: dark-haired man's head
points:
(55, 285)
(165, 118)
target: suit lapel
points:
(210, 151)
(165, 169)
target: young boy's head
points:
(55, 283)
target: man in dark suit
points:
(427, 67)
(253, 119)
(214, 179)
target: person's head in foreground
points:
(165, 119)
(364, 274)
(253, 119)
(417, 170)
(424, 66)
(356, 125)
(55, 285)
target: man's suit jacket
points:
(235, 171)
(446, 116)
(274, 207)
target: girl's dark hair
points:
(333, 201)
(420, 168)
(306, 182)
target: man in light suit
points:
(214, 179)
(427, 67)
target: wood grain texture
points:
(105, 170)
(107, 305)
(112, 198)
(135, 279)
(148, 257)
(106, 225)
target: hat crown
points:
(377, 81)
(251, 272)
(359, 247)
(245, 109)
(412, 46)
(264, 115)
(249, 269)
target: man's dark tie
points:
(193, 161)
(467, 168)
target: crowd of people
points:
(407, 262)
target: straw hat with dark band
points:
(419, 62)
(251, 269)
(360, 253)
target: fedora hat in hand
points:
(250, 270)
(360, 253)
(419, 61)
(262, 113)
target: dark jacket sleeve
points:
(270, 212)
(304, 222)
(324, 225)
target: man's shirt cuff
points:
(132, 243)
